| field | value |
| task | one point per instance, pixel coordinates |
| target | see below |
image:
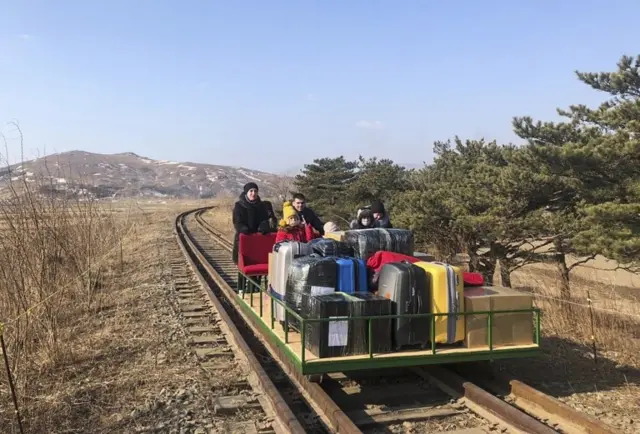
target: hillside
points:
(130, 175)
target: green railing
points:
(249, 283)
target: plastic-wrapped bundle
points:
(397, 240)
(366, 242)
(309, 276)
(373, 305)
(329, 247)
(334, 338)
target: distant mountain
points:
(130, 175)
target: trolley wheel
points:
(315, 378)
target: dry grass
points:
(100, 349)
(613, 319)
(220, 216)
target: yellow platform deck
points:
(444, 353)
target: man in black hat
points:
(250, 215)
(380, 215)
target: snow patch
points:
(167, 162)
(211, 177)
(248, 175)
(187, 167)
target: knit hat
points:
(361, 209)
(287, 211)
(330, 227)
(248, 186)
(377, 207)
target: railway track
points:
(432, 399)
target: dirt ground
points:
(126, 367)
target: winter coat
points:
(308, 216)
(273, 219)
(288, 233)
(384, 222)
(248, 218)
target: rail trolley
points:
(258, 303)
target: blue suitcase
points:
(352, 275)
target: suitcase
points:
(329, 247)
(397, 240)
(447, 296)
(375, 263)
(352, 275)
(366, 242)
(374, 305)
(407, 286)
(309, 276)
(334, 338)
(285, 252)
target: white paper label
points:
(338, 332)
(322, 290)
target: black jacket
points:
(309, 216)
(248, 218)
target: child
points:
(365, 220)
(290, 228)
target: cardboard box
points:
(338, 236)
(507, 328)
(476, 325)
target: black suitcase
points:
(366, 242)
(329, 247)
(397, 240)
(407, 286)
(334, 338)
(373, 305)
(309, 276)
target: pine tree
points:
(325, 183)
(588, 171)
(465, 202)
(376, 179)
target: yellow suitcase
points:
(447, 296)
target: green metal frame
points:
(250, 288)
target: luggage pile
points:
(371, 272)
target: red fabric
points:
(376, 261)
(253, 251)
(310, 233)
(256, 270)
(292, 234)
(472, 279)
